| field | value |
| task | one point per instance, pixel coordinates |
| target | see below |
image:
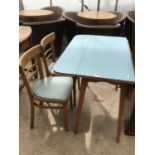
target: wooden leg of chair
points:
(32, 117)
(74, 90)
(79, 83)
(65, 116)
(71, 103)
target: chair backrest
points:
(130, 31)
(72, 18)
(130, 28)
(48, 51)
(110, 30)
(70, 24)
(131, 16)
(41, 29)
(24, 19)
(28, 70)
(57, 12)
(120, 18)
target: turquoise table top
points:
(95, 56)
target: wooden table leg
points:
(80, 104)
(74, 90)
(121, 111)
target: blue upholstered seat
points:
(53, 88)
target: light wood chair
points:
(49, 58)
(46, 90)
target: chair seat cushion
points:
(53, 88)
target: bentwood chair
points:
(70, 23)
(110, 30)
(42, 28)
(49, 58)
(130, 31)
(72, 19)
(119, 19)
(46, 90)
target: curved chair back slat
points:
(110, 30)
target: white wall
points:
(35, 4)
(75, 5)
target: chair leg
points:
(79, 83)
(71, 103)
(65, 116)
(74, 90)
(32, 117)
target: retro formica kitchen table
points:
(98, 58)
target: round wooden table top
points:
(96, 15)
(35, 13)
(24, 33)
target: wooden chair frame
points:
(48, 51)
(35, 53)
(47, 44)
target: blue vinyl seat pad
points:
(53, 88)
